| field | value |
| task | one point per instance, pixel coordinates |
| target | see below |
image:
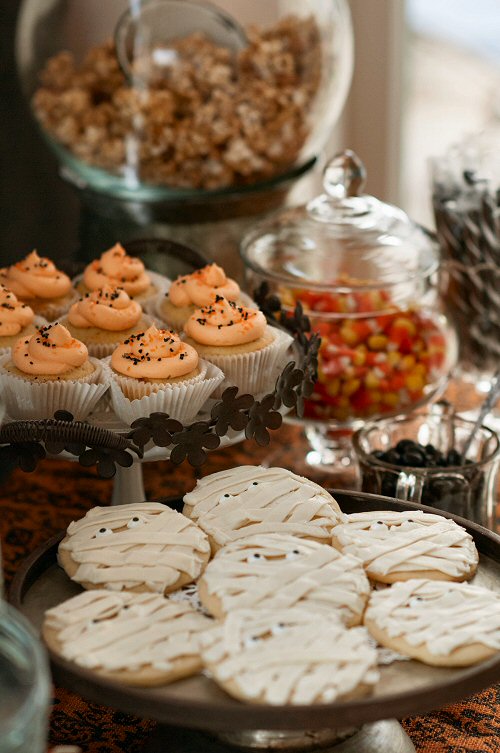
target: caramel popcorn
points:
(213, 119)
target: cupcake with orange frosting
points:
(17, 320)
(155, 371)
(103, 318)
(239, 341)
(37, 282)
(49, 371)
(191, 292)
(116, 268)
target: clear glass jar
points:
(24, 685)
(367, 277)
(170, 101)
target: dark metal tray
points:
(404, 689)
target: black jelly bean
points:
(414, 458)
(406, 444)
(393, 457)
(454, 458)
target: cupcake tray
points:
(405, 688)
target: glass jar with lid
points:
(367, 277)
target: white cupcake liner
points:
(161, 282)
(38, 321)
(254, 372)
(181, 400)
(139, 389)
(103, 350)
(29, 400)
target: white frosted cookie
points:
(396, 546)
(277, 571)
(247, 500)
(289, 657)
(444, 624)
(138, 547)
(139, 639)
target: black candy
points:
(446, 492)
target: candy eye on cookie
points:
(103, 531)
(252, 641)
(254, 557)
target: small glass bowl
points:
(463, 486)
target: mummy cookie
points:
(142, 547)
(289, 657)
(247, 500)
(277, 571)
(444, 624)
(139, 639)
(397, 546)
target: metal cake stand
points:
(214, 722)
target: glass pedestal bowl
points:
(377, 360)
(366, 277)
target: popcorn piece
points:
(212, 119)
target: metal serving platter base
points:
(405, 688)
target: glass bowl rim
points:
(441, 471)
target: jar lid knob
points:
(344, 175)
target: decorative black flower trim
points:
(28, 441)
(191, 442)
(262, 417)
(158, 427)
(25, 443)
(231, 411)
(105, 459)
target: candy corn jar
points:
(367, 277)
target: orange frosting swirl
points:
(201, 287)
(14, 315)
(50, 351)
(154, 354)
(118, 269)
(36, 277)
(107, 308)
(225, 323)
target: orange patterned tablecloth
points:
(36, 506)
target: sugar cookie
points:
(403, 545)
(138, 547)
(444, 624)
(289, 657)
(277, 571)
(139, 639)
(247, 500)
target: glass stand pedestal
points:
(385, 736)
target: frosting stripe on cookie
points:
(278, 571)
(291, 658)
(128, 545)
(441, 616)
(277, 502)
(389, 542)
(125, 631)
